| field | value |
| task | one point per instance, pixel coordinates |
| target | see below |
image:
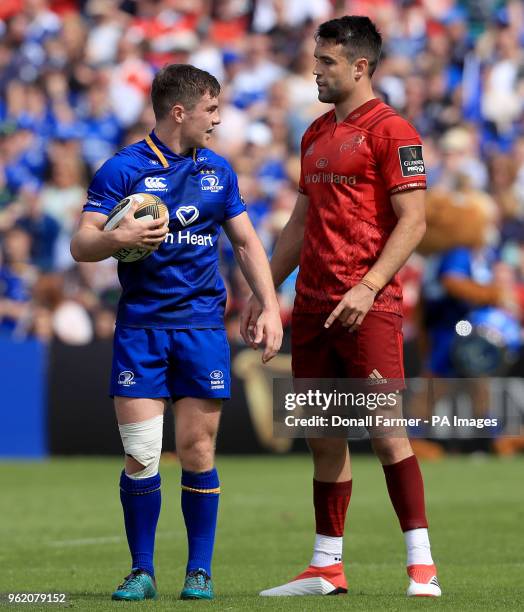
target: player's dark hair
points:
(181, 84)
(357, 34)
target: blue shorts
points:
(441, 341)
(170, 363)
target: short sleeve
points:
(234, 203)
(456, 262)
(303, 149)
(399, 156)
(108, 187)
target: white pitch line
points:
(95, 541)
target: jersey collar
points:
(359, 112)
(164, 153)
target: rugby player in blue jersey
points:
(170, 343)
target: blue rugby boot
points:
(198, 585)
(139, 585)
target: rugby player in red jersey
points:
(358, 217)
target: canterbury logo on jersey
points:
(155, 183)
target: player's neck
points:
(357, 98)
(172, 139)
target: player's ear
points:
(360, 68)
(178, 113)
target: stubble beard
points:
(329, 96)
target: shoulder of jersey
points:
(207, 156)
(130, 158)
(138, 154)
(385, 122)
(319, 123)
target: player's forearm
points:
(91, 244)
(286, 255)
(400, 245)
(470, 291)
(253, 262)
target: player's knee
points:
(196, 453)
(391, 450)
(132, 466)
(327, 447)
(143, 444)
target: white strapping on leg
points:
(143, 442)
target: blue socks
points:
(200, 493)
(141, 501)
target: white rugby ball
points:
(149, 207)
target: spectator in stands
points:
(17, 277)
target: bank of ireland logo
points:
(216, 378)
(155, 183)
(187, 214)
(322, 162)
(126, 378)
(211, 182)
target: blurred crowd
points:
(74, 88)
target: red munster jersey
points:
(349, 170)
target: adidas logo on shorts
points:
(376, 378)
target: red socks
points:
(405, 488)
(406, 491)
(331, 501)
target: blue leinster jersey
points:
(179, 285)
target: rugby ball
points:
(149, 207)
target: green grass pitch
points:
(61, 531)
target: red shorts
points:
(373, 353)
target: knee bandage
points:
(143, 442)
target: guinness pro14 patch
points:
(411, 161)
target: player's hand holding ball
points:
(353, 307)
(142, 222)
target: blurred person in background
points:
(69, 320)
(62, 195)
(259, 70)
(17, 278)
(270, 15)
(131, 79)
(459, 279)
(105, 34)
(102, 131)
(504, 188)
(503, 84)
(470, 310)
(461, 161)
(43, 229)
